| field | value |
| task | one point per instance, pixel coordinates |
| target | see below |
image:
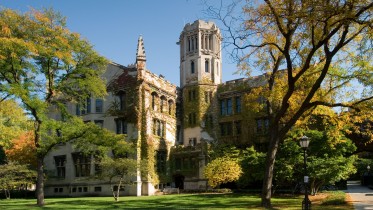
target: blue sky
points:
(113, 27)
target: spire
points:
(140, 54)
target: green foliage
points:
(13, 175)
(13, 122)
(118, 171)
(252, 163)
(222, 170)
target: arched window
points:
(207, 65)
(154, 100)
(192, 67)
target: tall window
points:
(237, 126)
(192, 119)
(229, 106)
(161, 161)
(82, 164)
(60, 162)
(262, 126)
(88, 105)
(223, 111)
(154, 100)
(77, 109)
(207, 65)
(226, 107)
(238, 104)
(158, 127)
(121, 126)
(99, 105)
(170, 107)
(122, 101)
(226, 129)
(192, 70)
(163, 103)
(192, 95)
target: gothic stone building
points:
(172, 125)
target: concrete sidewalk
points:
(361, 196)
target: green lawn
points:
(182, 201)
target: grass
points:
(182, 201)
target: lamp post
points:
(368, 168)
(304, 142)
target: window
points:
(115, 188)
(121, 126)
(226, 129)
(262, 126)
(237, 126)
(238, 104)
(60, 162)
(170, 107)
(158, 127)
(208, 96)
(85, 189)
(98, 189)
(77, 109)
(82, 165)
(88, 105)
(192, 119)
(223, 111)
(207, 65)
(99, 105)
(192, 142)
(161, 161)
(122, 100)
(58, 189)
(229, 106)
(226, 107)
(154, 100)
(99, 123)
(163, 103)
(192, 95)
(192, 70)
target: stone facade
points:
(173, 127)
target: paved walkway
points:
(361, 196)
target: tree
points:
(222, 170)
(23, 150)
(13, 175)
(13, 122)
(309, 51)
(44, 65)
(119, 171)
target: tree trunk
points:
(268, 175)
(40, 182)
